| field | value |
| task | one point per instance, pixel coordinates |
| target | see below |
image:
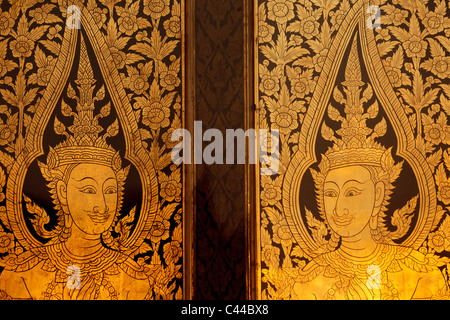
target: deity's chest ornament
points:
(356, 119)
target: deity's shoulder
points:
(129, 278)
(415, 274)
(311, 270)
(313, 282)
(131, 267)
(415, 260)
(26, 284)
(23, 261)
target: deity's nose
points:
(101, 207)
(340, 210)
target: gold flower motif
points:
(22, 47)
(444, 192)
(269, 84)
(45, 66)
(391, 65)
(169, 79)
(53, 32)
(395, 15)
(438, 241)
(413, 43)
(309, 27)
(284, 111)
(5, 65)
(319, 59)
(271, 255)
(436, 133)
(137, 79)
(395, 75)
(127, 23)
(172, 252)
(441, 67)
(336, 18)
(280, 11)
(156, 116)
(6, 23)
(160, 229)
(284, 119)
(156, 109)
(295, 40)
(301, 82)
(173, 27)
(384, 34)
(271, 192)
(98, 14)
(167, 138)
(268, 141)
(170, 188)
(434, 22)
(415, 46)
(42, 14)
(156, 8)
(24, 39)
(282, 234)
(119, 57)
(265, 32)
(7, 133)
(6, 242)
(43, 74)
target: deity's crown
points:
(355, 143)
(83, 143)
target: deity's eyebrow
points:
(110, 178)
(354, 180)
(85, 179)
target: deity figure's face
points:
(90, 197)
(351, 198)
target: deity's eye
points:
(88, 190)
(110, 190)
(330, 193)
(352, 193)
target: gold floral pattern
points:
(6, 23)
(6, 242)
(294, 42)
(144, 39)
(280, 11)
(156, 8)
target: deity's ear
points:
(61, 192)
(379, 194)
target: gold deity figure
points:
(81, 260)
(354, 185)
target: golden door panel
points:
(359, 92)
(91, 92)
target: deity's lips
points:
(99, 217)
(342, 221)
